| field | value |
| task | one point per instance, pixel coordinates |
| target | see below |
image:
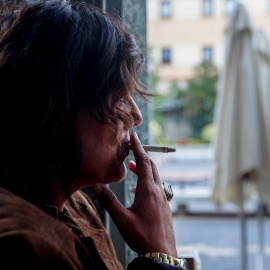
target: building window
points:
(166, 9)
(166, 56)
(229, 6)
(208, 54)
(207, 7)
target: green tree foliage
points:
(155, 111)
(198, 97)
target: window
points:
(208, 54)
(229, 6)
(207, 7)
(166, 56)
(166, 9)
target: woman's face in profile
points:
(102, 154)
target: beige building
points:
(183, 33)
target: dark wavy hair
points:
(57, 58)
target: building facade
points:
(183, 33)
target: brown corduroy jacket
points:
(33, 239)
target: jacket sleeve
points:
(151, 263)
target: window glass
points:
(166, 56)
(165, 9)
(208, 54)
(229, 6)
(207, 7)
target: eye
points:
(122, 100)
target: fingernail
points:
(135, 135)
(97, 189)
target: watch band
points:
(162, 257)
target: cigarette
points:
(158, 149)
(154, 148)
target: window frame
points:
(166, 54)
(206, 12)
(165, 11)
(233, 3)
(208, 51)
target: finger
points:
(134, 189)
(132, 166)
(143, 162)
(109, 201)
(153, 166)
(155, 173)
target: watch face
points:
(183, 263)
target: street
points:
(217, 240)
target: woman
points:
(68, 74)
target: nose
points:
(136, 114)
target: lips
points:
(124, 151)
(125, 146)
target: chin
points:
(120, 175)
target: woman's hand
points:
(146, 226)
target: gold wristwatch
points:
(162, 257)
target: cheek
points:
(101, 168)
(101, 162)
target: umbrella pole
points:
(243, 225)
(260, 256)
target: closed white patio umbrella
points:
(236, 140)
(262, 57)
(241, 141)
(262, 67)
